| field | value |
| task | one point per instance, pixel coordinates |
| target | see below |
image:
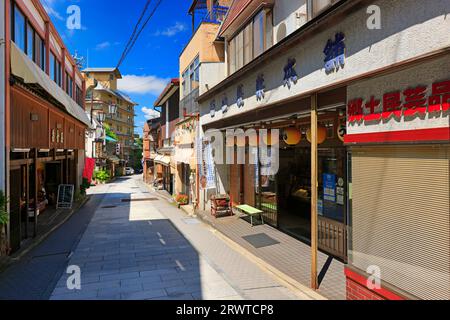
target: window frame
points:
(236, 57)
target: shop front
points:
(399, 141)
(285, 196)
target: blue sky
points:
(106, 27)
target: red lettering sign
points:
(392, 105)
(415, 102)
(355, 110)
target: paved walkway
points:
(139, 246)
(35, 275)
(288, 256)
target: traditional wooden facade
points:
(45, 119)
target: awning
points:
(164, 160)
(109, 139)
(24, 68)
(183, 155)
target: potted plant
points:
(182, 199)
(101, 176)
(4, 218)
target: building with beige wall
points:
(99, 101)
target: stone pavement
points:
(35, 275)
(149, 249)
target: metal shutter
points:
(400, 216)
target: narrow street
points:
(138, 246)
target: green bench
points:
(250, 211)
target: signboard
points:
(412, 105)
(65, 196)
(329, 187)
(207, 173)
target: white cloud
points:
(49, 6)
(150, 113)
(172, 30)
(103, 45)
(142, 84)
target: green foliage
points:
(109, 132)
(101, 176)
(4, 218)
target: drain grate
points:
(260, 240)
(139, 200)
(109, 207)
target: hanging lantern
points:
(292, 136)
(101, 117)
(321, 134)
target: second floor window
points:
(191, 77)
(55, 69)
(18, 29)
(69, 85)
(79, 96)
(318, 6)
(255, 38)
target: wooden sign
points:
(65, 196)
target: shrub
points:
(101, 176)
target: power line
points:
(125, 54)
(134, 32)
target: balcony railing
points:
(216, 15)
(189, 102)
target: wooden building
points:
(45, 120)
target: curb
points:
(11, 260)
(298, 288)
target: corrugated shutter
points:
(401, 216)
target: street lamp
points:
(101, 117)
(112, 109)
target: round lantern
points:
(321, 134)
(292, 136)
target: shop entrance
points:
(285, 197)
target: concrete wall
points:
(211, 73)
(401, 37)
(202, 44)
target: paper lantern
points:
(321, 134)
(292, 136)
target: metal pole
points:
(314, 192)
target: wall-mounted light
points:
(101, 117)
(59, 126)
(71, 130)
(34, 117)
